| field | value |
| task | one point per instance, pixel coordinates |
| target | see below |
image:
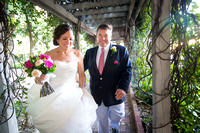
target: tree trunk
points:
(32, 44)
(161, 66)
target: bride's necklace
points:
(66, 52)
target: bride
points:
(70, 109)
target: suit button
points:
(100, 87)
(101, 78)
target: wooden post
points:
(77, 36)
(127, 39)
(161, 66)
(132, 39)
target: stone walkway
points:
(125, 126)
(125, 123)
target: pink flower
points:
(48, 63)
(51, 60)
(115, 62)
(28, 64)
(42, 56)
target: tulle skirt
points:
(67, 110)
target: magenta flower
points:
(28, 64)
(48, 63)
(42, 56)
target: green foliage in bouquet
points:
(37, 65)
(42, 64)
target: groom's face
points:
(104, 37)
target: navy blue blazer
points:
(116, 74)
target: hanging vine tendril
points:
(185, 65)
(11, 88)
(5, 100)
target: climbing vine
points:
(185, 61)
(17, 20)
(185, 64)
(185, 68)
(11, 88)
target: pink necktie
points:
(101, 61)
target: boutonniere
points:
(115, 62)
(113, 49)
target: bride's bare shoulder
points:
(77, 53)
(51, 52)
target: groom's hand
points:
(120, 94)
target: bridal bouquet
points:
(41, 64)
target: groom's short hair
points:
(105, 27)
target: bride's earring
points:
(58, 42)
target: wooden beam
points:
(113, 24)
(60, 12)
(106, 20)
(118, 34)
(132, 4)
(119, 30)
(117, 26)
(102, 11)
(139, 7)
(103, 3)
(120, 23)
(102, 16)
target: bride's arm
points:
(81, 70)
(38, 80)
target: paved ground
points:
(125, 123)
(125, 126)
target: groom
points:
(110, 75)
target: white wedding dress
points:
(68, 109)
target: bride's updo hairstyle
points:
(59, 31)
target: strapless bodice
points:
(65, 73)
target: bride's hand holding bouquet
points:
(38, 65)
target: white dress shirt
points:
(106, 50)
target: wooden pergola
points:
(122, 14)
(88, 14)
